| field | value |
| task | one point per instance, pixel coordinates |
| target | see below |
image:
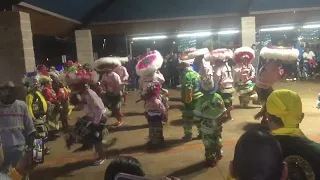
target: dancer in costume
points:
(112, 84)
(244, 74)
(222, 71)
(124, 76)
(70, 67)
(210, 110)
(37, 105)
(150, 85)
(50, 95)
(90, 128)
(62, 97)
(190, 91)
(270, 73)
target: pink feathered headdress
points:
(79, 77)
(149, 63)
(219, 54)
(244, 52)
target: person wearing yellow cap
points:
(284, 113)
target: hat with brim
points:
(284, 54)
(244, 53)
(188, 56)
(218, 54)
(149, 63)
(104, 63)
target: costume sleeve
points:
(125, 74)
(48, 96)
(238, 68)
(29, 100)
(252, 71)
(159, 77)
(198, 110)
(27, 120)
(116, 82)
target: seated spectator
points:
(258, 156)
(123, 164)
(284, 112)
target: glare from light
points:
(195, 34)
(149, 37)
(277, 29)
(311, 26)
(154, 42)
(131, 42)
(299, 38)
(174, 42)
(228, 32)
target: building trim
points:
(35, 8)
(165, 19)
(208, 16)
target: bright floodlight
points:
(195, 34)
(277, 29)
(311, 26)
(149, 37)
(229, 32)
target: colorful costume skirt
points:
(226, 95)
(113, 101)
(212, 139)
(86, 133)
(189, 108)
(155, 128)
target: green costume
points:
(208, 108)
(189, 94)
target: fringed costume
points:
(150, 86)
(270, 73)
(210, 110)
(37, 105)
(222, 71)
(244, 74)
(89, 129)
(190, 90)
(112, 84)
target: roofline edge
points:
(35, 8)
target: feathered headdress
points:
(244, 52)
(104, 63)
(79, 77)
(209, 84)
(149, 63)
(219, 54)
(285, 54)
(31, 79)
(189, 55)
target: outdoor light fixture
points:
(195, 34)
(228, 32)
(311, 26)
(277, 29)
(149, 37)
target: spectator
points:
(308, 55)
(16, 126)
(123, 164)
(258, 156)
(284, 112)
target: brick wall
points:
(16, 46)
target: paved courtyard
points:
(180, 159)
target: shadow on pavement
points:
(189, 171)
(62, 171)
(133, 114)
(249, 107)
(143, 149)
(175, 99)
(177, 122)
(176, 106)
(127, 128)
(255, 126)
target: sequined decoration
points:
(298, 165)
